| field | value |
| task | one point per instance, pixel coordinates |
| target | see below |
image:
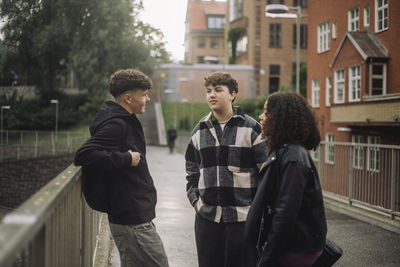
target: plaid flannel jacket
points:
(222, 176)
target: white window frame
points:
(358, 151)
(354, 83)
(323, 37)
(315, 88)
(339, 85)
(328, 91)
(377, 76)
(382, 9)
(353, 19)
(373, 154)
(235, 9)
(330, 149)
(334, 30)
(315, 153)
(366, 16)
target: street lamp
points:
(2, 107)
(281, 11)
(55, 101)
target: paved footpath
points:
(362, 243)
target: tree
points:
(303, 79)
(46, 39)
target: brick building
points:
(204, 33)
(353, 65)
(184, 83)
(268, 44)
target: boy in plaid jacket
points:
(223, 158)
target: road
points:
(363, 244)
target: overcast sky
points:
(169, 17)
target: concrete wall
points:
(21, 179)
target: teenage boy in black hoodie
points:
(117, 151)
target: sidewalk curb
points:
(363, 215)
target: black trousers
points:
(222, 244)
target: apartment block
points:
(353, 69)
(267, 44)
(204, 33)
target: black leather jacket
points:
(287, 213)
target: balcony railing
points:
(362, 174)
(54, 227)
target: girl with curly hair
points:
(286, 221)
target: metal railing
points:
(54, 227)
(362, 174)
(33, 144)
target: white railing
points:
(54, 227)
(33, 144)
(362, 174)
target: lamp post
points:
(55, 101)
(2, 107)
(280, 11)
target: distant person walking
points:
(116, 155)
(286, 221)
(222, 161)
(171, 135)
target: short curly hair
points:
(221, 78)
(289, 119)
(128, 80)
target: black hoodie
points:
(131, 194)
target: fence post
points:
(36, 144)
(22, 137)
(53, 143)
(68, 142)
(18, 151)
(320, 162)
(7, 137)
(392, 187)
(351, 175)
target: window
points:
(215, 22)
(377, 79)
(381, 15)
(334, 30)
(366, 16)
(281, 2)
(274, 70)
(241, 46)
(315, 93)
(303, 35)
(200, 59)
(274, 73)
(301, 3)
(235, 9)
(358, 151)
(330, 149)
(315, 153)
(353, 19)
(373, 153)
(339, 86)
(275, 35)
(187, 27)
(201, 43)
(328, 89)
(186, 46)
(214, 43)
(323, 37)
(355, 83)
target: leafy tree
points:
(303, 79)
(46, 39)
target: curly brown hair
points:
(222, 78)
(128, 80)
(289, 119)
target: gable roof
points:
(366, 44)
